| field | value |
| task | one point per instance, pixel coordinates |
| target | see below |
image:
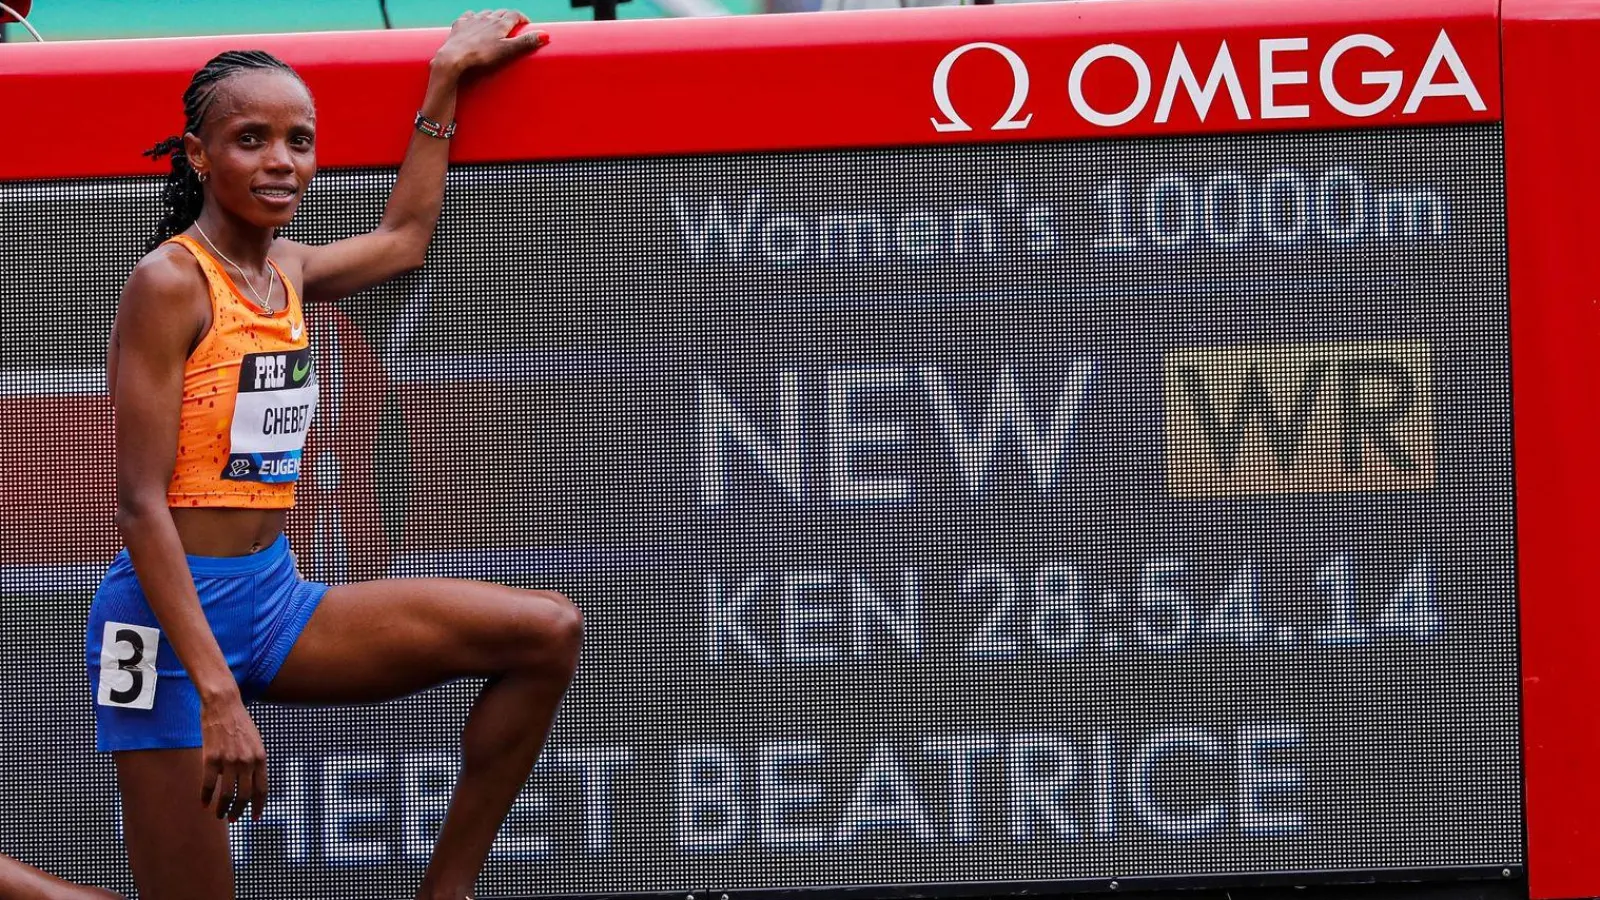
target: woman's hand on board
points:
(481, 40)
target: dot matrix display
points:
(1022, 513)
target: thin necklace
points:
(213, 244)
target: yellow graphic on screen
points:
(1296, 418)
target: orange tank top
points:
(248, 396)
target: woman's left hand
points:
(481, 40)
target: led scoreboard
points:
(1049, 447)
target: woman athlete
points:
(210, 377)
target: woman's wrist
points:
(223, 692)
(444, 70)
(439, 100)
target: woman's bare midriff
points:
(227, 532)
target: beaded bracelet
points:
(435, 129)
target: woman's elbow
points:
(135, 513)
(407, 248)
(415, 259)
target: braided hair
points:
(181, 195)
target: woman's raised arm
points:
(399, 244)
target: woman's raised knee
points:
(554, 632)
(569, 633)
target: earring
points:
(203, 176)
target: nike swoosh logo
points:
(301, 369)
(294, 331)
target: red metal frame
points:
(1552, 200)
(869, 79)
(757, 83)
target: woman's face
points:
(257, 146)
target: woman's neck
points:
(245, 245)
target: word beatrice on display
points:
(1034, 788)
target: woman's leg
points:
(23, 882)
(384, 639)
(177, 848)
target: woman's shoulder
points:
(170, 265)
(290, 253)
(166, 276)
(290, 258)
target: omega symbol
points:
(1019, 90)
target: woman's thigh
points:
(178, 848)
(379, 640)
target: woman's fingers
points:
(242, 794)
(222, 792)
(504, 20)
(258, 793)
(210, 782)
(228, 791)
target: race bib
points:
(128, 665)
(271, 416)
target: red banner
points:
(870, 78)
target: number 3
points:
(128, 665)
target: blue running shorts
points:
(257, 606)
